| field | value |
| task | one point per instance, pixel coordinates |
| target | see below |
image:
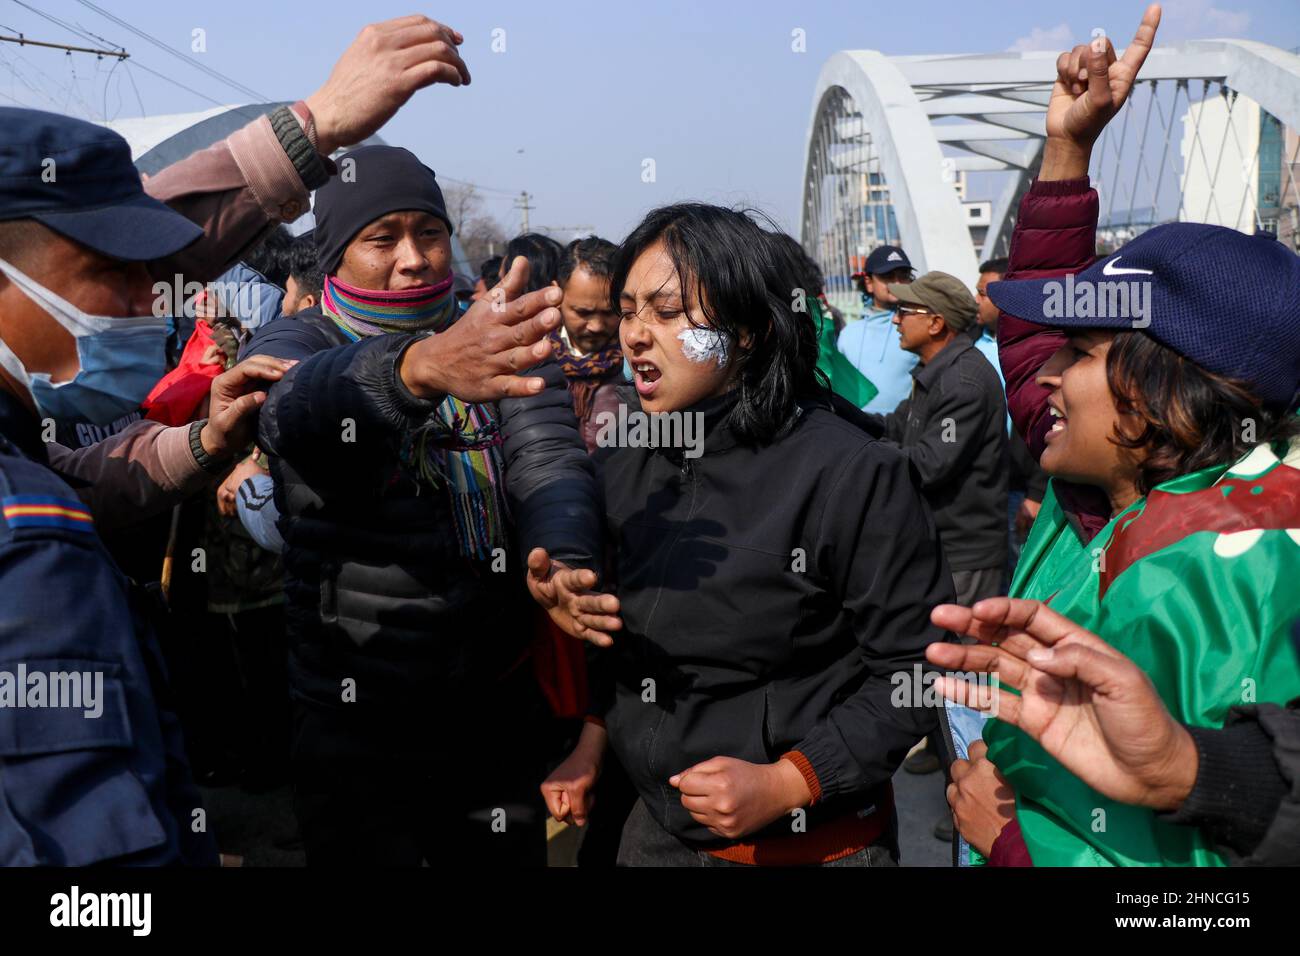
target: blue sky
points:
(584, 91)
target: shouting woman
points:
(774, 578)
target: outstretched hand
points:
(1087, 704)
(479, 357)
(234, 400)
(566, 594)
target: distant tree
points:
(480, 235)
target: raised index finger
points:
(1135, 53)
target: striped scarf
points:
(458, 445)
(587, 373)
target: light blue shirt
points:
(987, 345)
(255, 502)
(872, 346)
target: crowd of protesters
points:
(355, 523)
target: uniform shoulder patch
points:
(46, 511)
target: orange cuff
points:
(809, 775)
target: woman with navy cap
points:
(1169, 528)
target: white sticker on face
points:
(701, 345)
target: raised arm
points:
(260, 175)
(1056, 228)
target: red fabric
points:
(560, 664)
(1231, 505)
(1009, 848)
(176, 397)
(1055, 234)
(830, 840)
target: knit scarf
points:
(458, 446)
(585, 374)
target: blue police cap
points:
(77, 179)
(1228, 301)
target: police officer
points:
(92, 767)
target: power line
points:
(131, 76)
(511, 193)
(22, 40)
(242, 110)
(88, 35)
(4, 61)
(75, 31)
(184, 58)
(64, 86)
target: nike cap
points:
(1227, 301)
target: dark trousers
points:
(646, 843)
(615, 797)
(445, 786)
(972, 586)
(261, 652)
(1014, 542)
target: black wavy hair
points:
(744, 281)
(270, 256)
(490, 271)
(303, 264)
(594, 254)
(1190, 418)
(543, 255)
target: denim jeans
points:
(967, 726)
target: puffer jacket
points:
(377, 590)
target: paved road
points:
(920, 803)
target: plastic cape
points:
(1197, 583)
(846, 381)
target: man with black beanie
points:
(407, 496)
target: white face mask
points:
(116, 356)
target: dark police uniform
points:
(78, 789)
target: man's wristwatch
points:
(213, 466)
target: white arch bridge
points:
(934, 152)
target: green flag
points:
(846, 381)
(1196, 583)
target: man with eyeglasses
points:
(953, 430)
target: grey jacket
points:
(953, 432)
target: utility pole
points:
(524, 203)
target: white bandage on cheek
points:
(701, 345)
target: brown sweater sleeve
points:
(235, 190)
(141, 471)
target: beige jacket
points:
(236, 190)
